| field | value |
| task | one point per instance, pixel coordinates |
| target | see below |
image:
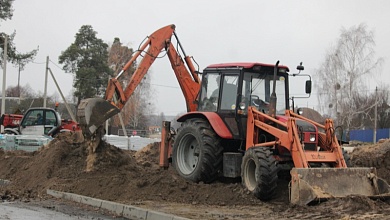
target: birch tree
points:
(343, 76)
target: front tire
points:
(347, 158)
(197, 154)
(259, 172)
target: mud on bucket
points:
(316, 184)
(93, 112)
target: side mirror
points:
(300, 67)
(308, 87)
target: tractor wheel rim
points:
(188, 154)
(250, 175)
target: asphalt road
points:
(52, 209)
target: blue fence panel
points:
(361, 135)
(368, 135)
(382, 133)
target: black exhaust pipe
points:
(273, 99)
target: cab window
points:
(218, 92)
(51, 118)
(210, 92)
(257, 89)
(229, 92)
(34, 117)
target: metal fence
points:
(129, 143)
(368, 135)
(132, 132)
(23, 142)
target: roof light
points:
(282, 70)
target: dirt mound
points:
(117, 175)
(130, 177)
(375, 155)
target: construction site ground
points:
(69, 164)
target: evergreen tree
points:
(18, 59)
(87, 59)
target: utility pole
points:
(4, 78)
(375, 113)
(19, 80)
(46, 74)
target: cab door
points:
(219, 94)
(227, 108)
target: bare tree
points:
(118, 56)
(138, 106)
(28, 98)
(364, 118)
(136, 109)
(342, 76)
(25, 91)
(383, 98)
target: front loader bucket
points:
(316, 184)
(93, 112)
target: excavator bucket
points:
(315, 184)
(93, 112)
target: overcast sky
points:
(211, 31)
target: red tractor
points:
(37, 121)
(239, 124)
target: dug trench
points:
(69, 164)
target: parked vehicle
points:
(37, 121)
(10, 120)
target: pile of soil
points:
(115, 174)
(130, 177)
(375, 155)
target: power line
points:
(38, 62)
(55, 64)
(166, 86)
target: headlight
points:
(242, 106)
(312, 137)
(300, 111)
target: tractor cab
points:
(229, 89)
(37, 121)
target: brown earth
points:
(377, 156)
(135, 178)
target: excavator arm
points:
(93, 112)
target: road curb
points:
(127, 211)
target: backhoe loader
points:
(239, 124)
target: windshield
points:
(257, 90)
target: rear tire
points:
(259, 172)
(10, 132)
(197, 154)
